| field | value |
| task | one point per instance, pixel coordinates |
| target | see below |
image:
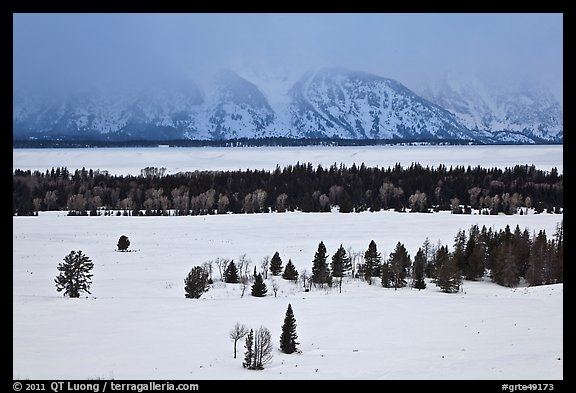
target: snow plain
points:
(122, 161)
(137, 324)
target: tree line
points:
(509, 258)
(506, 256)
(300, 187)
(79, 142)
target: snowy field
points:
(131, 160)
(137, 324)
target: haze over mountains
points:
(327, 102)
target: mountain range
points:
(324, 103)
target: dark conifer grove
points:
(301, 187)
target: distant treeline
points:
(296, 187)
(72, 142)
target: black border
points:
(47, 6)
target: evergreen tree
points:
(341, 264)
(123, 243)
(474, 255)
(345, 203)
(536, 272)
(557, 249)
(276, 264)
(288, 337)
(419, 266)
(399, 262)
(508, 276)
(459, 250)
(307, 204)
(386, 275)
(290, 272)
(320, 271)
(259, 288)
(75, 276)
(372, 262)
(231, 274)
(449, 277)
(196, 283)
(442, 257)
(249, 354)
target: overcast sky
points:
(70, 49)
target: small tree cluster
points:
(258, 344)
(258, 349)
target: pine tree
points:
(509, 270)
(345, 203)
(123, 243)
(290, 272)
(231, 274)
(320, 271)
(288, 337)
(419, 265)
(75, 276)
(386, 275)
(372, 262)
(276, 264)
(449, 277)
(459, 250)
(340, 262)
(474, 256)
(307, 203)
(259, 287)
(399, 263)
(249, 354)
(196, 283)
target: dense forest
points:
(303, 187)
(68, 141)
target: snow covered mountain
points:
(329, 102)
(522, 111)
(358, 105)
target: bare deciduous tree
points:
(281, 203)
(244, 285)
(262, 348)
(275, 287)
(264, 266)
(238, 332)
